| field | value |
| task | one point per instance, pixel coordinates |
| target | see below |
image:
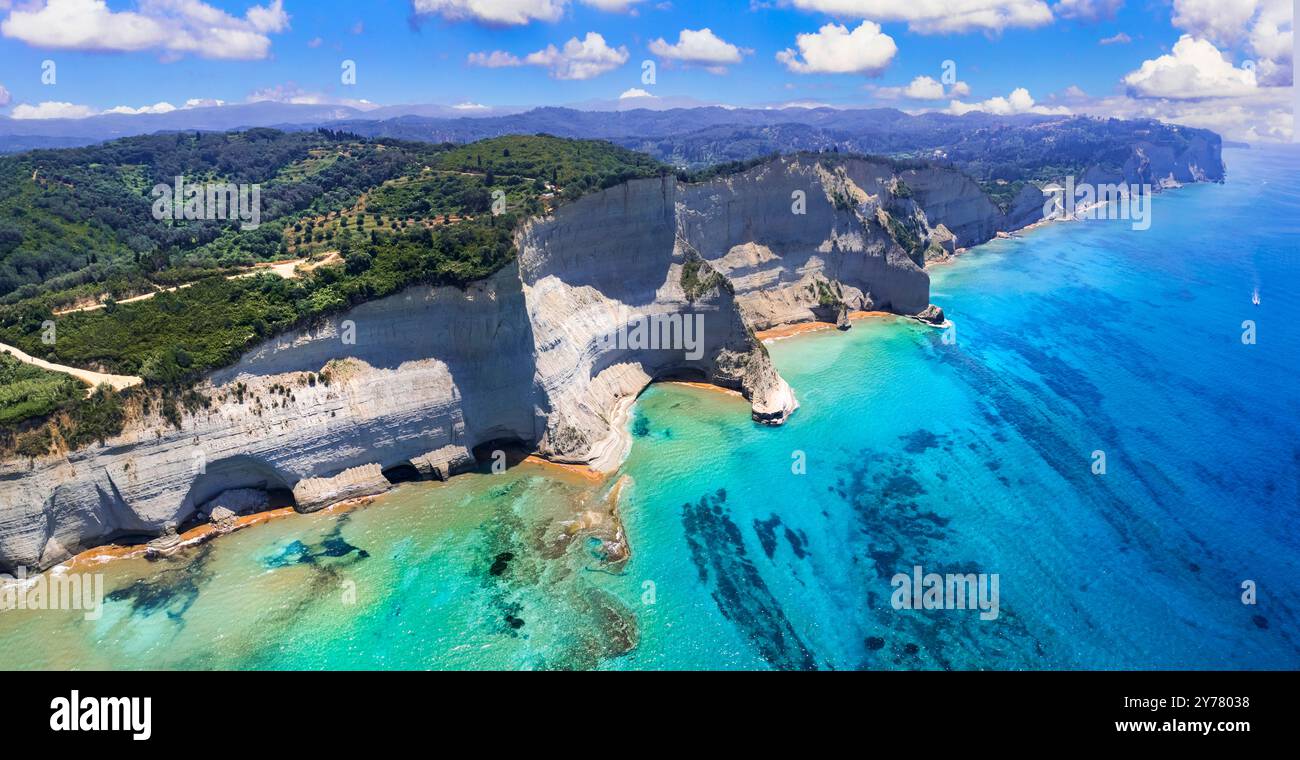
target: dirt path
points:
(91, 378)
(286, 269)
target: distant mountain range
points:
(687, 137)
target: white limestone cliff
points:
(544, 353)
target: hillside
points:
(365, 218)
(348, 219)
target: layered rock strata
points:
(649, 279)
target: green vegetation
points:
(29, 391)
(578, 166)
(907, 232)
(177, 336)
(698, 278)
(388, 214)
(829, 294)
(79, 222)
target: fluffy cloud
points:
(578, 59)
(939, 16)
(1195, 69)
(1221, 21)
(635, 92)
(924, 88)
(509, 12)
(493, 11)
(162, 107)
(583, 59)
(613, 6)
(833, 49)
(1119, 38)
(51, 109)
(174, 27)
(1018, 102)
(699, 46)
(4, 96)
(1264, 28)
(292, 93)
(497, 59)
(1088, 10)
(468, 106)
(1262, 116)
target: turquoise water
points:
(971, 456)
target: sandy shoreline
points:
(799, 328)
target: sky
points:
(1222, 64)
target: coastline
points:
(781, 332)
(612, 452)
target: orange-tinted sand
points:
(705, 386)
(798, 328)
(191, 537)
(580, 470)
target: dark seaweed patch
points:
(766, 531)
(172, 590)
(798, 542)
(333, 545)
(501, 562)
(919, 441)
(719, 554)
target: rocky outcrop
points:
(312, 494)
(649, 279)
(442, 463)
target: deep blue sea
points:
(756, 547)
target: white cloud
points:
(161, 107)
(174, 27)
(1119, 38)
(1088, 10)
(635, 92)
(1262, 116)
(924, 88)
(203, 103)
(51, 109)
(493, 11)
(290, 92)
(470, 107)
(833, 49)
(699, 46)
(1262, 28)
(1195, 69)
(5, 97)
(511, 12)
(578, 59)
(1018, 102)
(1221, 21)
(495, 60)
(939, 16)
(612, 6)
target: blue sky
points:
(418, 51)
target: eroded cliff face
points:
(645, 280)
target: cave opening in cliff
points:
(509, 450)
(404, 472)
(682, 374)
(242, 484)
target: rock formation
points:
(649, 279)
